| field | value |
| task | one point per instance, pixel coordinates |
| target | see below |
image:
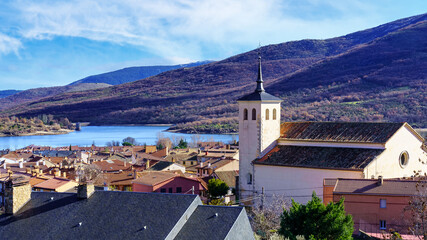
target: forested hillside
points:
(378, 74)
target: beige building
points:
(293, 159)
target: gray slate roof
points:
(122, 215)
(259, 96)
(160, 166)
(105, 215)
(366, 132)
(204, 224)
(320, 157)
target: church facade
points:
(292, 159)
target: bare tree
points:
(88, 173)
(418, 209)
(265, 215)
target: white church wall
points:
(295, 182)
(388, 163)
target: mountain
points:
(377, 74)
(131, 74)
(92, 82)
(6, 93)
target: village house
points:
(376, 205)
(292, 159)
(167, 182)
(90, 214)
(166, 166)
(55, 184)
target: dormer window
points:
(253, 114)
(245, 114)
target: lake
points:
(100, 135)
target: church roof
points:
(259, 96)
(319, 157)
(366, 132)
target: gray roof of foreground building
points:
(217, 222)
(105, 215)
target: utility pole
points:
(262, 198)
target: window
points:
(162, 190)
(170, 190)
(249, 178)
(178, 189)
(274, 114)
(403, 159)
(267, 112)
(245, 114)
(383, 224)
(253, 114)
(383, 203)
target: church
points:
(292, 159)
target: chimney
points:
(201, 164)
(64, 174)
(37, 163)
(28, 170)
(199, 151)
(21, 164)
(17, 193)
(147, 164)
(380, 181)
(134, 174)
(4, 165)
(57, 173)
(44, 163)
(84, 191)
(209, 165)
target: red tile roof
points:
(396, 187)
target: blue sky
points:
(52, 42)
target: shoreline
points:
(40, 133)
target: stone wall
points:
(16, 197)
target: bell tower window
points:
(245, 114)
(274, 114)
(267, 113)
(253, 114)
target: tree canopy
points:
(217, 188)
(316, 221)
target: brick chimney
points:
(147, 164)
(84, 191)
(17, 193)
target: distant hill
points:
(5, 93)
(377, 74)
(92, 82)
(131, 74)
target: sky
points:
(47, 43)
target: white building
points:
(292, 159)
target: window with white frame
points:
(383, 203)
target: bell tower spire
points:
(259, 81)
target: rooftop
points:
(339, 131)
(319, 157)
(399, 187)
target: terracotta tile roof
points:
(112, 165)
(53, 183)
(339, 131)
(121, 178)
(319, 157)
(154, 178)
(229, 177)
(371, 187)
(37, 180)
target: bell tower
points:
(259, 128)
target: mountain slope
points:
(371, 75)
(131, 74)
(6, 93)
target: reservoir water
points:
(100, 135)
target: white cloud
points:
(9, 44)
(189, 28)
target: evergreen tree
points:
(316, 221)
(217, 188)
